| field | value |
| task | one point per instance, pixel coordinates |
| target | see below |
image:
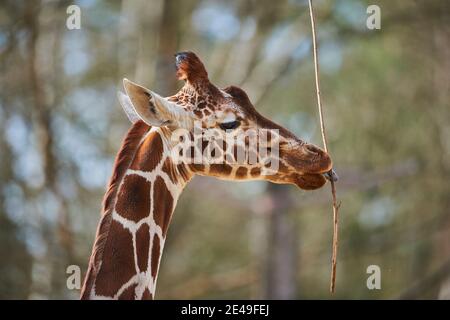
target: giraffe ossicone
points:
(201, 130)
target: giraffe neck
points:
(131, 234)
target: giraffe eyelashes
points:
(229, 125)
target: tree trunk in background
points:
(166, 81)
(15, 271)
(441, 48)
(281, 260)
(59, 237)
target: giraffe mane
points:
(123, 160)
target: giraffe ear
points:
(127, 106)
(154, 109)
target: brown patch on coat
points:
(142, 246)
(149, 153)
(201, 104)
(118, 261)
(255, 172)
(163, 204)
(241, 173)
(220, 169)
(133, 200)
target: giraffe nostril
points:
(313, 149)
(312, 153)
(318, 160)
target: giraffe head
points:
(218, 132)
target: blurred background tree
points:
(386, 96)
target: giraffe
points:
(148, 177)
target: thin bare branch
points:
(336, 206)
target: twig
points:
(324, 138)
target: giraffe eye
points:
(229, 125)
